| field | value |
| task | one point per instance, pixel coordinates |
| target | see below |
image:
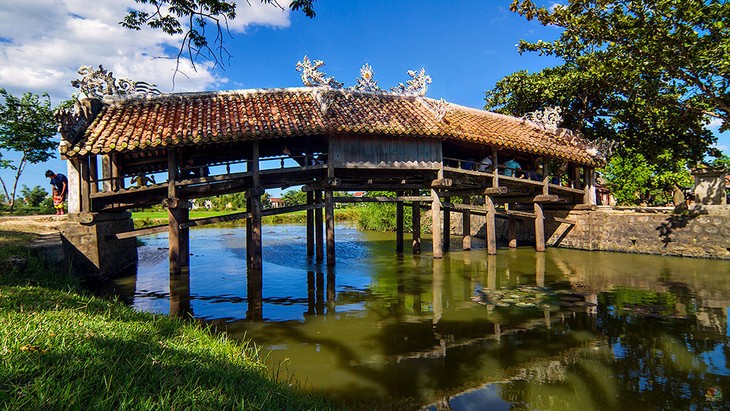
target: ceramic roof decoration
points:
(185, 119)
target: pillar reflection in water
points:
(180, 294)
(437, 284)
(417, 285)
(316, 293)
(331, 295)
(254, 295)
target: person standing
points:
(60, 187)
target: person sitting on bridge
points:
(511, 167)
(60, 184)
(485, 165)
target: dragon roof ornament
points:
(312, 77)
(101, 84)
(416, 86)
(548, 119)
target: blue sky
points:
(466, 46)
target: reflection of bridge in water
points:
(208, 144)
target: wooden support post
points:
(436, 225)
(589, 176)
(254, 244)
(319, 234)
(466, 226)
(447, 225)
(545, 176)
(416, 223)
(329, 210)
(539, 228)
(106, 173)
(491, 226)
(399, 225)
(495, 168)
(184, 232)
(512, 231)
(94, 174)
(85, 186)
(175, 239)
(310, 225)
(116, 172)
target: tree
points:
(294, 197)
(26, 127)
(33, 197)
(192, 18)
(635, 181)
(643, 73)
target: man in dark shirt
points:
(59, 182)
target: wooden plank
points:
(291, 209)
(217, 219)
(564, 220)
(539, 228)
(539, 198)
(442, 183)
(495, 191)
(381, 199)
(140, 232)
(523, 214)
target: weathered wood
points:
(106, 172)
(436, 225)
(85, 185)
(517, 213)
(291, 209)
(539, 228)
(564, 220)
(329, 210)
(512, 232)
(255, 262)
(310, 225)
(495, 191)
(589, 196)
(416, 223)
(142, 231)
(374, 186)
(491, 227)
(94, 174)
(173, 230)
(539, 198)
(382, 199)
(442, 183)
(466, 226)
(183, 217)
(399, 225)
(447, 225)
(495, 166)
(215, 220)
(172, 164)
(318, 229)
(116, 173)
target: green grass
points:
(152, 217)
(63, 348)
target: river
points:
(560, 330)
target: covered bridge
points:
(320, 138)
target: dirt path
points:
(37, 224)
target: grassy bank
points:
(62, 348)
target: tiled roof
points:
(205, 118)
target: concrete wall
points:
(702, 232)
(89, 248)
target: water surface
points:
(560, 330)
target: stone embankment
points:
(703, 231)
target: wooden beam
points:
(416, 223)
(318, 229)
(310, 225)
(399, 225)
(564, 220)
(495, 191)
(291, 209)
(539, 228)
(436, 225)
(215, 220)
(140, 232)
(369, 187)
(491, 227)
(466, 226)
(381, 199)
(539, 198)
(523, 214)
(442, 183)
(329, 211)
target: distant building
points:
(276, 202)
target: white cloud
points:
(44, 42)
(714, 123)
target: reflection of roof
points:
(212, 117)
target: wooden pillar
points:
(436, 225)
(106, 173)
(85, 185)
(94, 174)
(399, 225)
(319, 234)
(466, 226)
(116, 172)
(447, 225)
(491, 226)
(310, 225)
(177, 238)
(545, 175)
(254, 243)
(512, 231)
(495, 178)
(589, 190)
(416, 223)
(539, 228)
(329, 209)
